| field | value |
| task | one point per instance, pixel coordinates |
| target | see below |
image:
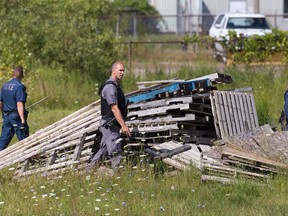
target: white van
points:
(245, 25)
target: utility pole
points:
(256, 6)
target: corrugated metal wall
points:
(181, 16)
(177, 15)
(168, 9)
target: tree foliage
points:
(69, 33)
(147, 17)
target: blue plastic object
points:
(185, 86)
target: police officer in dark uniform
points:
(284, 117)
(12, 103)
(113, 110)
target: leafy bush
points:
(71, 34)
(258, 48)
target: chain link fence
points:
(135, 25)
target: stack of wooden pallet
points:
(157, 121)
(60, 146)
(67, 144)
(189, 112)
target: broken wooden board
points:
(193, 157)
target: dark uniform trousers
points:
(108, 146)
(11, 125)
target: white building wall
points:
(174, 14)
(274, 13)
(167, 9)
(187, 12)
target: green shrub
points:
(67, 34)
(258, 48)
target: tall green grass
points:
(138, 191)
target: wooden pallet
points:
(214, 78)
(234, 112)
(181, 88)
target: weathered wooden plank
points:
(231, 112)
(217, 178)
(214, 113)
(239, 112)
(245, 115)
(246, 102)
(244, 164)
(218, 112)
(227, 113)
(159, 103)
(204, 148)
(235, 113)
(192, 156)
(78, 149)
(159, 82)
(216, 78)
(250, 111)
(188, 160)
(159, 119)
(222, 116)
(52, 158)
(154, 127)
(234, 172)
(175, 164)
(158, 111)
(254, 111)
(22, 167)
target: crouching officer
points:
(113, 110)
(12, 103)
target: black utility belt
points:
(8, 112)
(109, 122)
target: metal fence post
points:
(129, 54)
(117, 25)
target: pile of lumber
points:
(60, 146)
(191, 119)
(227, 161)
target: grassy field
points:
(140, 189)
